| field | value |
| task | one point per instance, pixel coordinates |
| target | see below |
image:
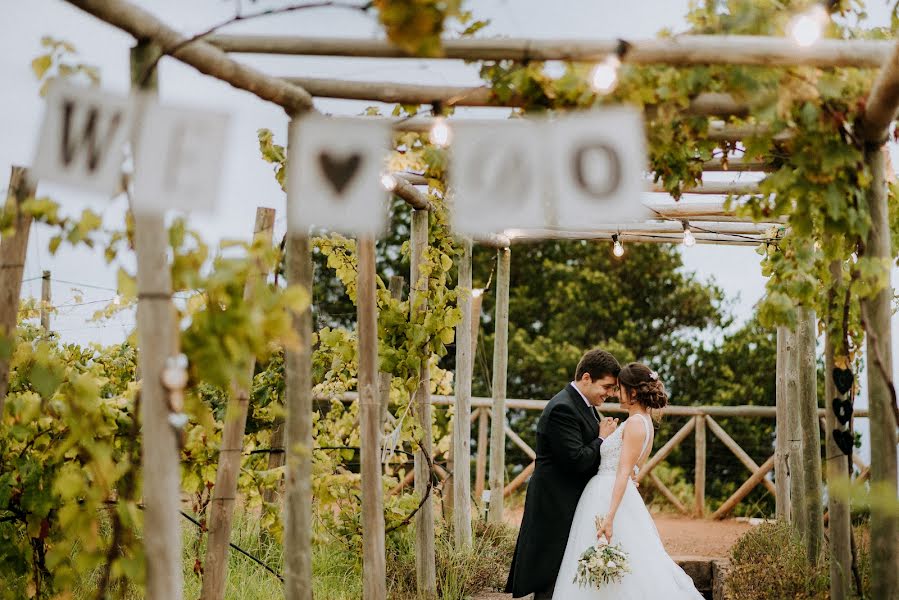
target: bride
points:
(612, 493)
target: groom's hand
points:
(607, 427)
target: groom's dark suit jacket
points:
(567, 457)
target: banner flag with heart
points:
(598, 159)
(82, 138)
(498, 179)
(334, 175)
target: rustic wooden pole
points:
(462, 420)
(699, 486)
(298, 430)
(665, 450)
(13, 248)
(794, 432)
(839, 529)
(812, 504)
(678, 50)
(669, 495)
(781, 440)
(385, 379)
(374, 578)
(877, 312)
(500, 361)
(215, 568)
(157, 341)
(425, 553)
(45, 301)
(480, 465)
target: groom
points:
(569, 434)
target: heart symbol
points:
(339, 171)
(843, 440)
(843, 378)
(842, 409)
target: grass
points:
(336, 569)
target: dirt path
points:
(682, 537)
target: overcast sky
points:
(248, 182)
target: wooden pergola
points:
(663, 224)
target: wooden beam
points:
(519, 480)
(500, 363)
(374, 573)
(45, 301)
(224, 492)
(668, 494)
(736, 165)
(811, 504)
(462, 417)
(877, 313)
(13, 249)
(480, 467)
(679, 50)
(883, 101)
(744, 489)
(665, 450)
(516, 439)
(157, 333)
(204, 57)
(717, 188)
(699, 485)
(538, 235)
(782, 429)
(734, 447)
(425, 553)
(836, 464)
(708, 104)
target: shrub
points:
(768, 563)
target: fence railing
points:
(701, 420)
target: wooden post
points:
(157, 336)
(425, 553)
(699, 485)
(215, 568)
(500, 360)
(45, 301)
(794, 433)
(837, 471)
(744, 489)
(462, 422)
(877, 312)
(298, 423)
(13, 248)
(781, 443)
(480, 465)
(374, 577)
(298, 431)
(811, 505)
(385, 379)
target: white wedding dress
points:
(653, 576)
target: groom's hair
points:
(598, 363)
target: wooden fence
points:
(701, 419)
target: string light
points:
(476, 292)
(605, 75)
(440, 132)
(808, 27)
(617, 247)
(389, 182)
(117, 300)
(689, 238)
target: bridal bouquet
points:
(601, 563)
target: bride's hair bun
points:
(644, 385)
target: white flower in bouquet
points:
(602, 562)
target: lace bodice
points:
(611, 448)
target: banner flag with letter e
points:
(178, 160)
(334, 175)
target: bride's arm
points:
(632, 444)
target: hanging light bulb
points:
(389, 182)
(440, 132)
(605, 75)
(807, 28)
(117, 300)
(689, 238)
(617, 246)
